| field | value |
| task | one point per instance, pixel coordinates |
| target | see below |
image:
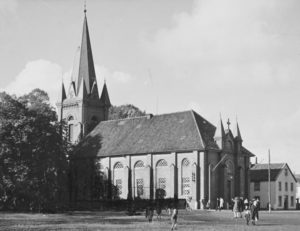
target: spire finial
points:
(84, 7)
(228, 123)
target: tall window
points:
(280, 201)
(71, 132)
(286, 186)
(161, 170)
(139, 181)
(285, 171)
(70, 129)
(119, 186)
(118, 175)
(185, 177)
(292, 187)
(279, 186)
(140, 187)
(162, 183)
(256, 186)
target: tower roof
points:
(63, 92)
(238, 133)
(86, 64)
(104, 96)
(219, 134)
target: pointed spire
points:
(63, 92)
(86, 63)
(219, 134)
(238, 133)
(104, 96)
(94, 91)
(72, 91)
(84, 7)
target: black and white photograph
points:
(150, 115)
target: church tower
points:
(81, 105)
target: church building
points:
(180, 154)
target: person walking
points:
(236, 207)
(218, 204)
(247, 214)
(257, 207)
(174, 218)
(246, 203)
(254, 211)
(221, 203)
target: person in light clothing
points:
(174, 218)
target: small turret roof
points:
(104, 96)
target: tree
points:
(33, 153)
(124, 111)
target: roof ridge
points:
(128, 118)
(136, 117)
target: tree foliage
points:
(124, 111)
(34, 168)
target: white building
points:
(283, 185)
(298, 189)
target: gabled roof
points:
(181, 131)
(259, 172)
(245, 151)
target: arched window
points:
(139, 164)
(185, 177)
(70, 129)
(71, 133)
(118, 177)
(118, 165)
(185, 162)
(162, 163)
(139, 179)
(161, 179)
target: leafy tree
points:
(124, 111)
(34, 168)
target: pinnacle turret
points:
(104, 96)
(219, 134)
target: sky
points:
(231, 58)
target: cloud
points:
(117, 77)
(233, 42)
(47, 76)
(8, 6)
(41, 74)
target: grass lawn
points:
(195, 220)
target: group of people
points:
(250, 209)
(220, 203)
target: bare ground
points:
(195, 220)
